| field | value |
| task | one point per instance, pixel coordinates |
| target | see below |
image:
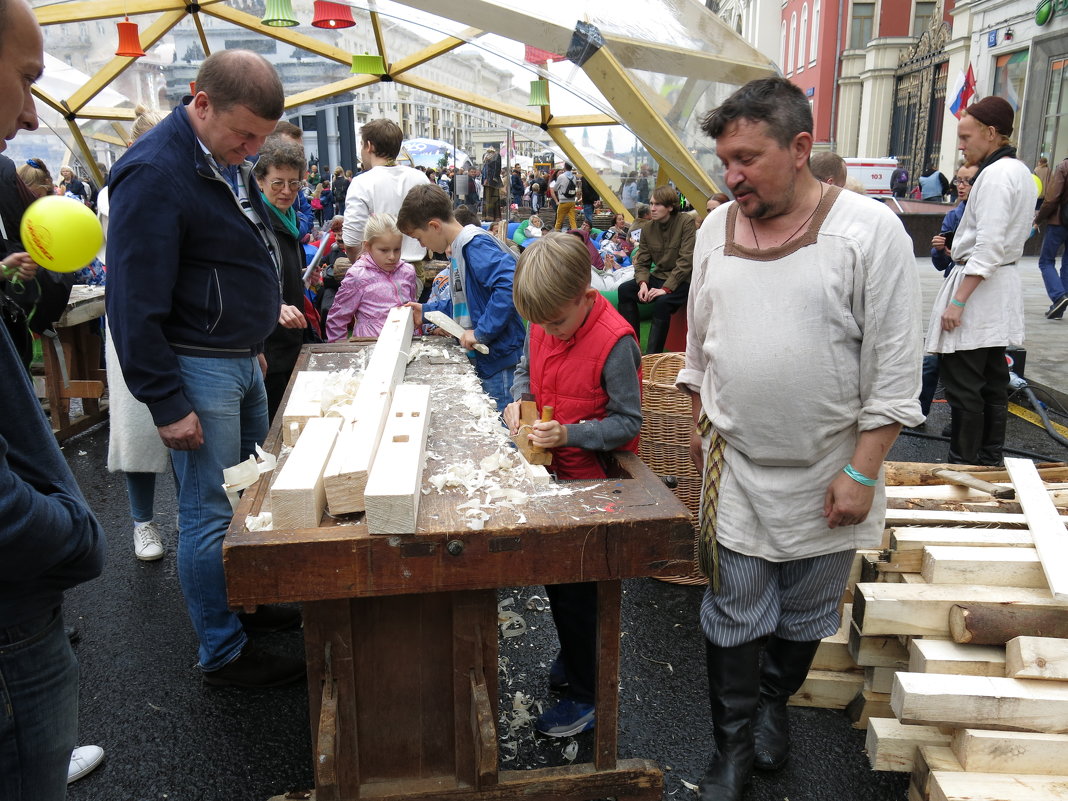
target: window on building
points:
(814, 39)
(782, 44)
(1055, 133)
(789, 65)
(921, 19)
(802, 38)
(1010, 73)
(861, 25)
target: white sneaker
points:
(83, 761)
(147, 544)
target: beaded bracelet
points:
(857, 476)
(958, 303)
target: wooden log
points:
(945, 656)
(882, 651)
(997, 622)
(907, 539)
(891, 745)
(297, 495)
(828, 689)
(1010, 751)
(920, 473)
(925, 517)
(303, 404)
(981, 702)
(1045, 523)
(923, 609)
(396, 479)
(1037, 658)
(950, 786)
(995, 567)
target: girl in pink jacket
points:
(376, 283)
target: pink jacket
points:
(366, 295)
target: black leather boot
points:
(658, 332)
(965, 437)
(785, 667)
(733, 690)
(995, 419)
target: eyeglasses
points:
(277, 185)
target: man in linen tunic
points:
(979, 309)
(803, 354)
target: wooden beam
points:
(89, 10)
(1045, 523)
(303, 404)
(1037, 658)
(105, 113)
(950, 786)
(330, 90)
(997, 622)
(931, 758)
(923, 609)
(996, 567)
(946, 656)
(582, 121)
(395, 483)
(1010, 751)
(833, 651)
(297, 495)
(868, 706)
(891, 745)
(87, 153)
(287, 35)
(924, 517)
(981, 702)
(380, 40)
(470, 98)
(200, 32)
(879, 679)
(875, 651)
(828, 689)
(902, 539)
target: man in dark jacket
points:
(49, 539)
(1052, 212)
(189, 309)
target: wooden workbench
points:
(401, 631)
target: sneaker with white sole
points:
(147, 545)
(567, 718)
(83, 761)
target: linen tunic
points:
(794, 351)
(990, 240)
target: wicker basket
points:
(667, 423)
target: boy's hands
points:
(417, 312)
(549, 434)
(511, 417)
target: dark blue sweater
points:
(49, 539)
(188, 272)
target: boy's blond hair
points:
(380, 224)
(551, 273)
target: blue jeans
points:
(229, 398)
(587, 212)
(38, 709)
(499, 386)
(1052, 242)
(141, 491)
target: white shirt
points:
(990, 239)
(381, 190)
(794, 350)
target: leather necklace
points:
(797, 230)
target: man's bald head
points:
(21, 63)
(240, 77)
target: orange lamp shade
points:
(129, 40)
(332, 15)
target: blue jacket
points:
(950, 222)
(49, 539)
(188, 272)
(489, 270)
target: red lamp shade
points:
(129, 40)
(332, 15)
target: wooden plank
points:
(868, 706)
(1036, 658)
(925, 517)
(303, 404)
(879, 679)
(950, 786)
(981, 702)
(891, 745)
(828, 689)
(297, 496)
(931, 758)
(882, 651)
(923, 609)
(903, 539)
(1010, 751)
(833, 651)
(920, 473)
(997, 622)
(995, 567)
(395, 482)
(946, 656)
(1045, 523)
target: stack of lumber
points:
(961, 627)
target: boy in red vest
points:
(581, 358)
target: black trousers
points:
(663, 307)
(574, 608)
(974, 379)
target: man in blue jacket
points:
(189, 308)
(49, 539)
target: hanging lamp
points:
(539, 93)
(332, 15)
(279, 14)
(368, 65)
(129, 40)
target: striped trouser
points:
(795, 600)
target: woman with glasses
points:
(278, 172)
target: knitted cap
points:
(993, 111)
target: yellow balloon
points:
(60, 233)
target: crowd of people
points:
(199, 357)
